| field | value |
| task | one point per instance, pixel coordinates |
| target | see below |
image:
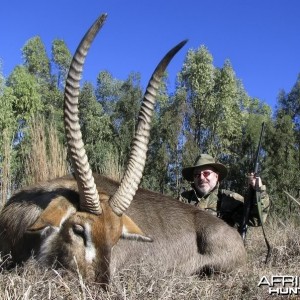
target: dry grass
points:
(111, 167)
(36, 282)
(5, 174)
(46, 158)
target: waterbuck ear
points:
(131, 231)
(57, 211)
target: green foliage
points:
(197, 76)
(96, 128)
(283, 144)
(243, 152)
(124, 117)
(161, 171)
(108, 91)
(282, 162)
(7, 116)
(7, 129)
(226, 128)
(61, 58)
(36, 59)
(290, 103)
(24, 94)
(53, 102)
(214, 105)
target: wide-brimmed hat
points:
(201, 161)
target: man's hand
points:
(252, 180)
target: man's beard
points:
(204, 189)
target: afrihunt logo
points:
(281, 284)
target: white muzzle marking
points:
(90, 250)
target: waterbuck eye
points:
(79, 230)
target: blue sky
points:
(259, 37)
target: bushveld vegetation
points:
(209, 111)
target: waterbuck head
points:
(81, 223)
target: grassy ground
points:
(35, 282)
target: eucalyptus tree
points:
(213, 101)
(22, 99)
(96, 128)
(35, 58)
(52, 90)
(289, 103)
(171, 132)
(124, 117)
(282, 167)
(7, 115)
(38, 64)
(244, 150)
(198, 76)
(108, 91)
(226, 127)
(8, 127)
(213, 115)
(284, 150)
(161, 170)
(61, 58)
(25, 94)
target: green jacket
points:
(228, 205)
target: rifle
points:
(253, 197)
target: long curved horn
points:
(121, 200)
(89, 198)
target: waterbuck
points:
(90, 222)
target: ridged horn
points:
(89, 197)
(121, 200)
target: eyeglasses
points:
(204, 173)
